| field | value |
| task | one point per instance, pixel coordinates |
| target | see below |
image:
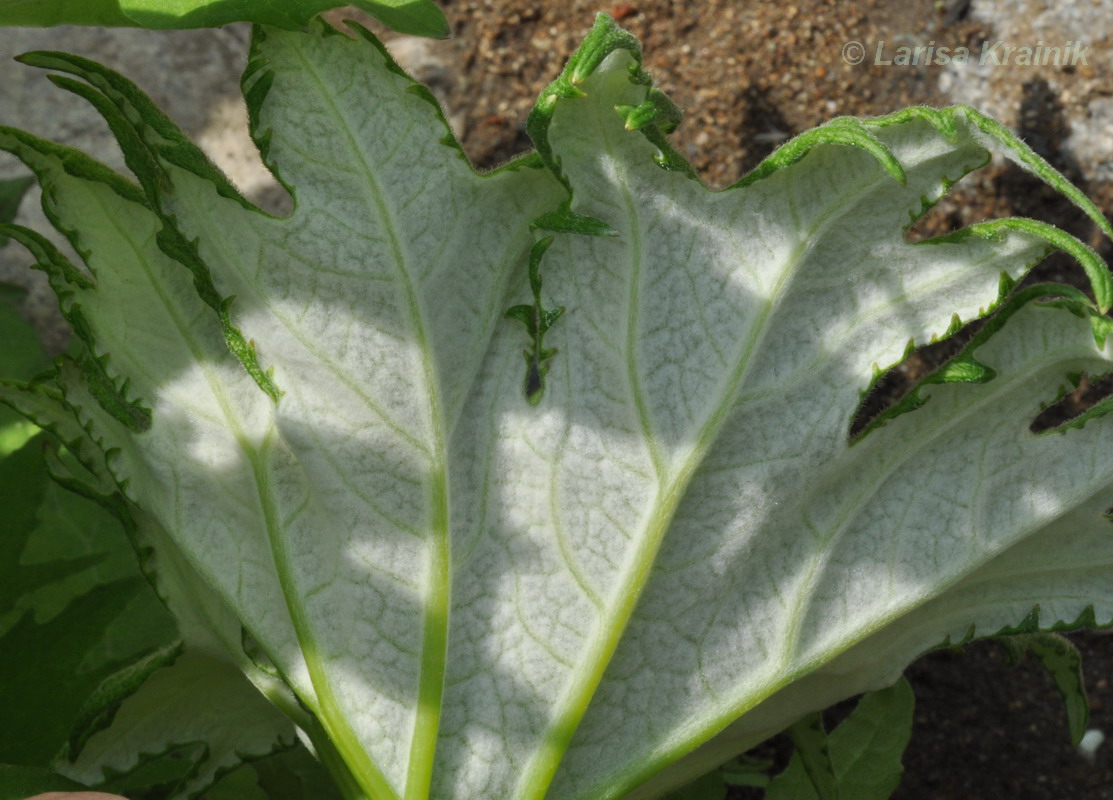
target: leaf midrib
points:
(671, 488)
(666, 754)
(435, 622)
(538, 775)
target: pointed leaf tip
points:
(412, 17)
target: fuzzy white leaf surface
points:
(676, 552)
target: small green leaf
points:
(242, 783)
(157, 774)
(295, 774)
(867, 747)
(537, 320)
(45, 676)
(292, 774)
(968, 371)
(865, 751)
(658, 110)
(709, 787)
(24, 489)
(415, 17)
(206, 703)
(811, 743)
(564, 220)
(11, 194)
(79, 628)
(1062, 660)
(747, 770)
(21, 358)
(527, 315)
(792, 784)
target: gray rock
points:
(1081, 90)
(192, 75)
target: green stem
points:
(334, 763)
(342, 740)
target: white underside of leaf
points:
(679, 533)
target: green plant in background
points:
(417, 17)
(600, 573)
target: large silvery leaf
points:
(312, 497)
(604, 569)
